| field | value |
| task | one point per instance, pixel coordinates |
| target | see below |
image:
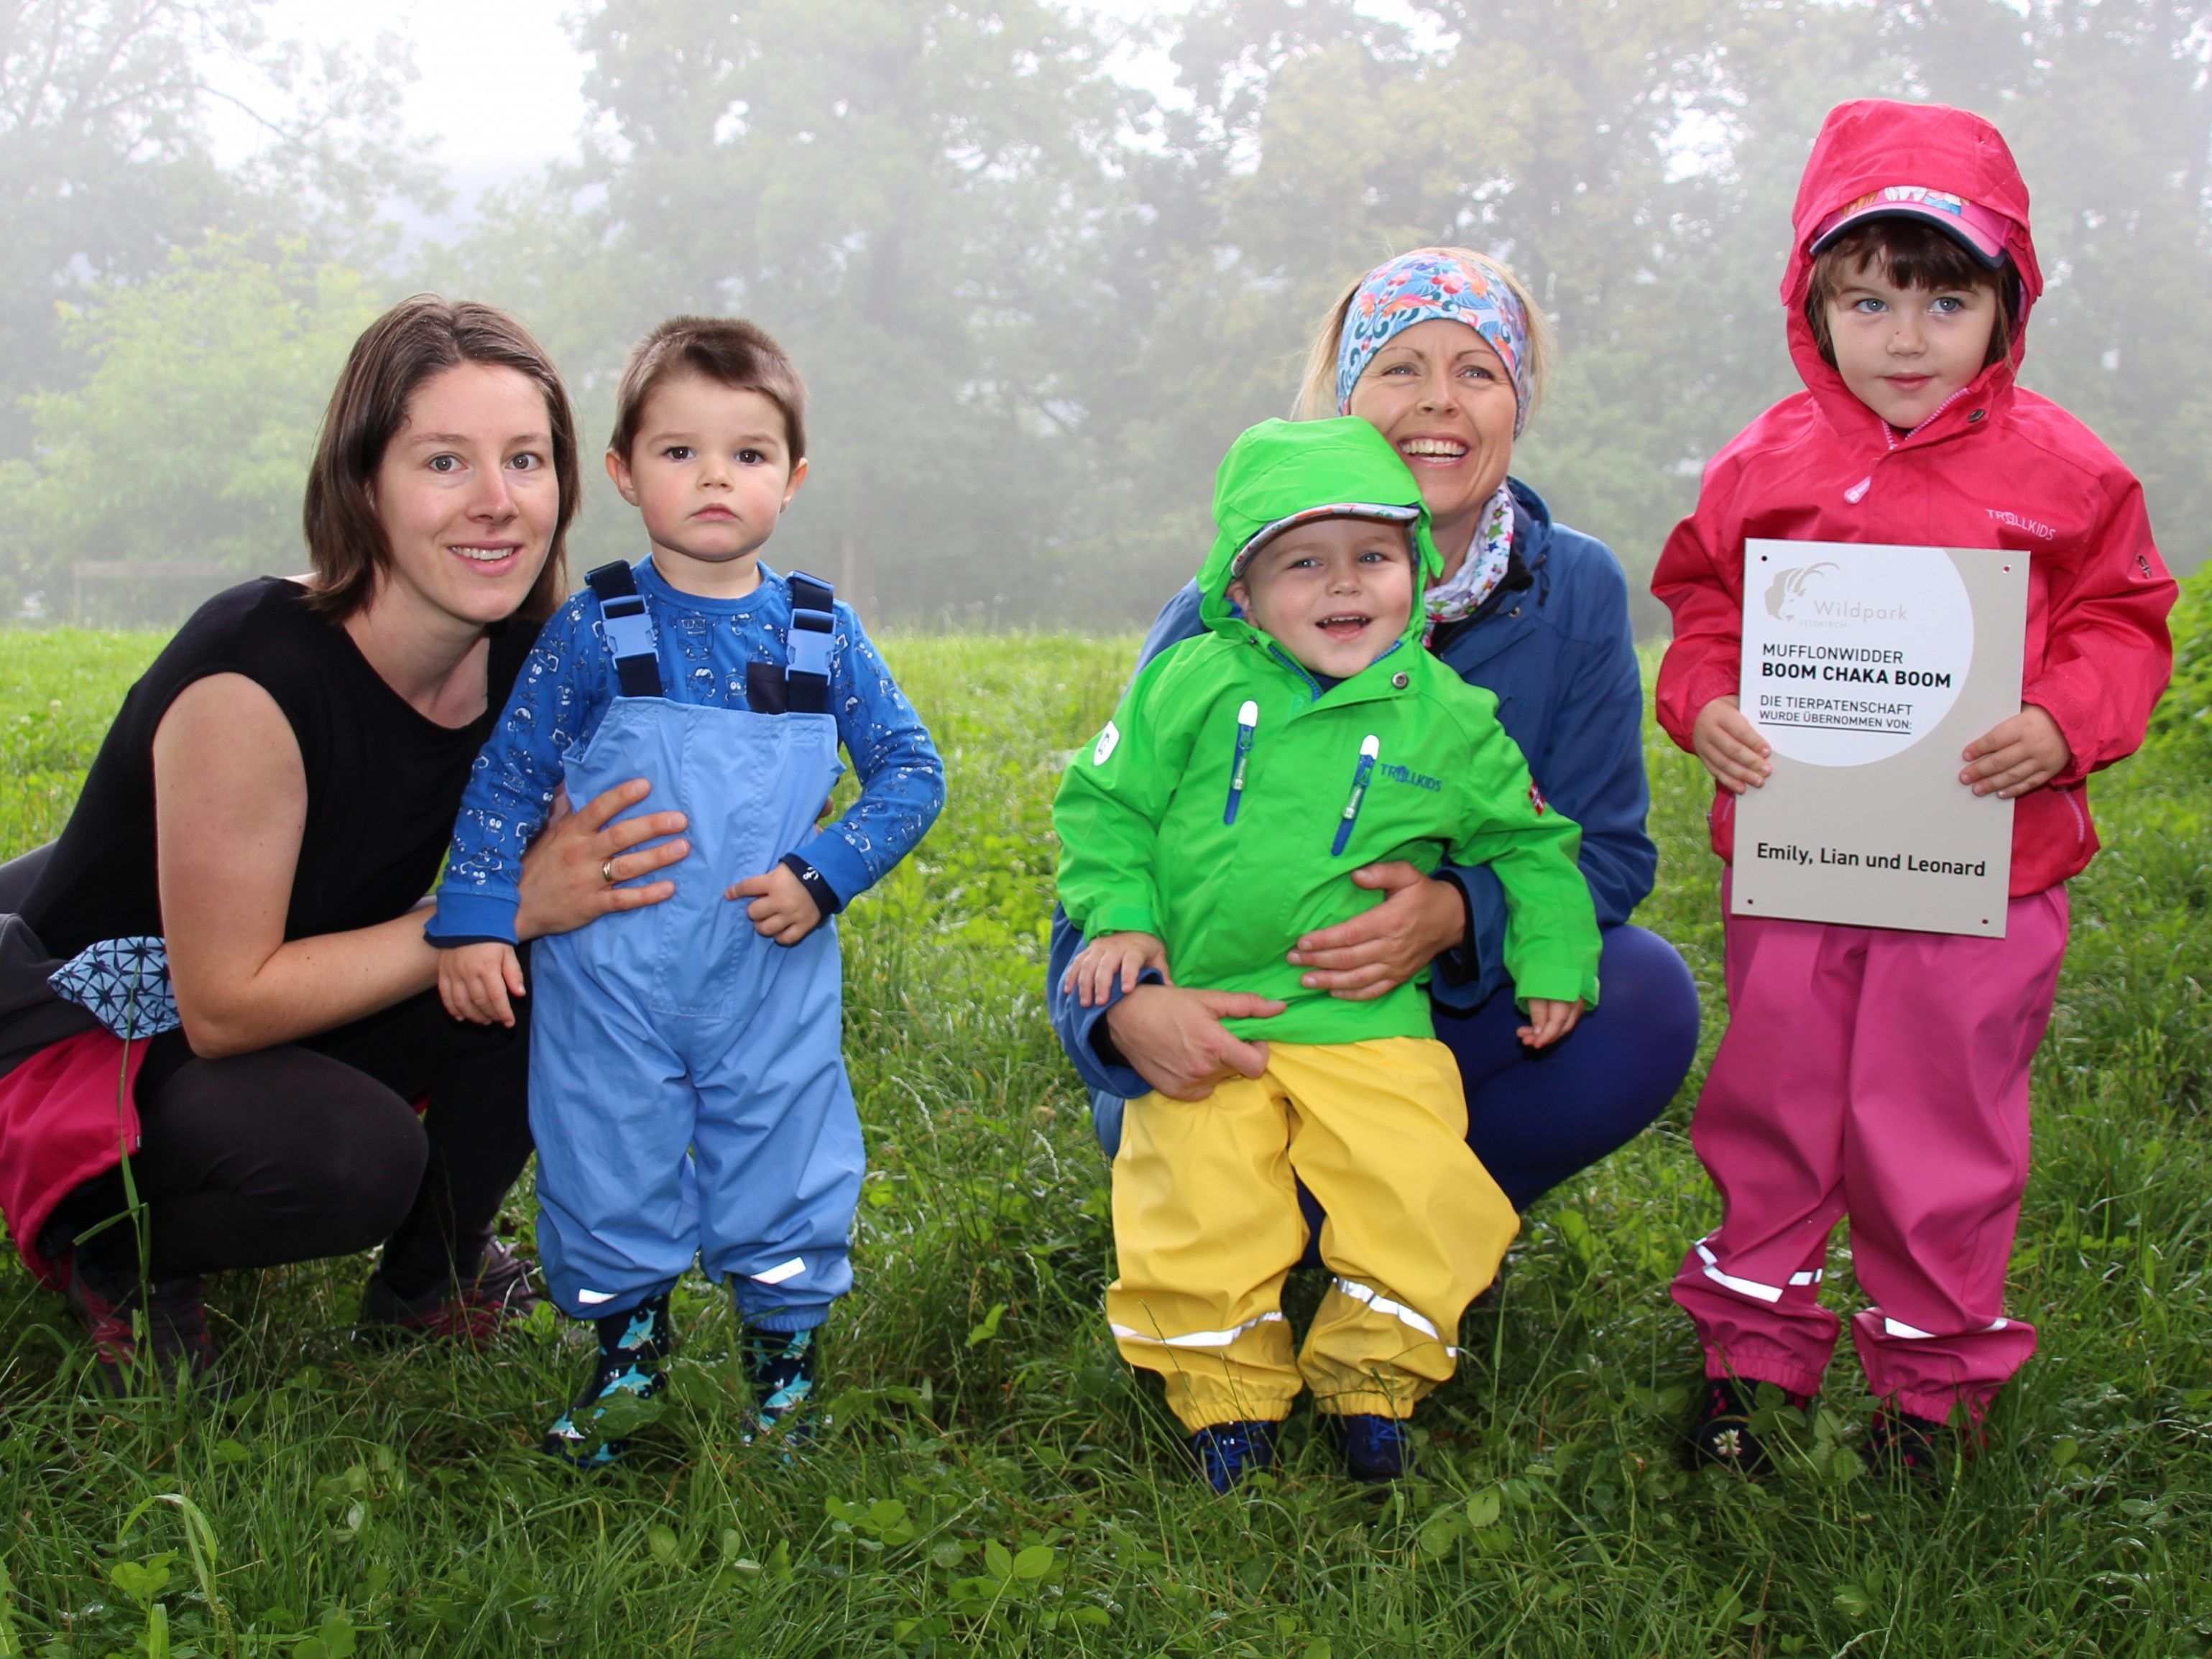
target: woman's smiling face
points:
(1440, 393)
(467, 495)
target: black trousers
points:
(313, 1149)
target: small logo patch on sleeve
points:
(1108, 741)
(1536, 800)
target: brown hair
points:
(1910, 253)
(417, 338)
(1317, 392)
(726, 350)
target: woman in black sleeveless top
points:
(272, 803)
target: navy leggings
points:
(1536, 1119)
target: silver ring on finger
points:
(607, 871)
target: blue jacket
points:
(1558, 654)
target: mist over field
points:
(1038, 262)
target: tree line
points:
(1034, 295)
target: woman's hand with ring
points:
(573, 871)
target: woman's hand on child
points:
(1549, 1021)
(1174, 1038)
(1379, 950)
(565, 874)
(1731, 746)
(475, 982)
(1110, 957)
(2016, 756)
(781, 909)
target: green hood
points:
(1281, 470)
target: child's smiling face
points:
(1336, 593)
(1904, 351)
(709, 472)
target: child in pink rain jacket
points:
(1870, 1072)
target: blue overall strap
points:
(630, 629)
(806, 648)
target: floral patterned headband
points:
(1419, 288)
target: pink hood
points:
(1873, 142)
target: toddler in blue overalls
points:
(687, 1089)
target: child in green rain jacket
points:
(1216, 819)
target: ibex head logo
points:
(1789, 586)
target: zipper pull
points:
(1371, 746)
(1248, 724)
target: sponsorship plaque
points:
(1868, 669)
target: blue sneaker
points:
(780, 1366)
(1374, 1448)
(1227, 1452)
(623, 1391)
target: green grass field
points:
(994, 1482)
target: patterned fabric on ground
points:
(124, 984)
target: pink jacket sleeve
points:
(1699, 578)
(2107, 654)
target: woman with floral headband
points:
(1444, 353)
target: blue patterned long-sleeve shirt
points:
(568, 685)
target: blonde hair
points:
(1317, 393)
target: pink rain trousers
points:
(1879, 1074)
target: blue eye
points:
(1869, 307)
(1950, 305)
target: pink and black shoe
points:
(475, 1310)
(1723, 1435)
(142, 1333)
(1900, 1444)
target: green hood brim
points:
(1283, 470)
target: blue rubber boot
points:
(1374, 1448)
(625, 1385)
(780, 1366)
(1227, 1452)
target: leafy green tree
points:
(897, 190)
(105, 163)
(189, 437)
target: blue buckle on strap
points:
(630, 630)
(806, 647)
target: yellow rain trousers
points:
(1206, 1226)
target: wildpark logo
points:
(1794, 596)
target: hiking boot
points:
(1374, 1448)
(1723, 1435)
(1900, 1444)
(140, 1333)
(1227, 1452)
(780, 1367)
(498, 1293)
(623, 1392)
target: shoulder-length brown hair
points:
(416, 340)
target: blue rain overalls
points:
(687, 1086)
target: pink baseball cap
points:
(1977, 230)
